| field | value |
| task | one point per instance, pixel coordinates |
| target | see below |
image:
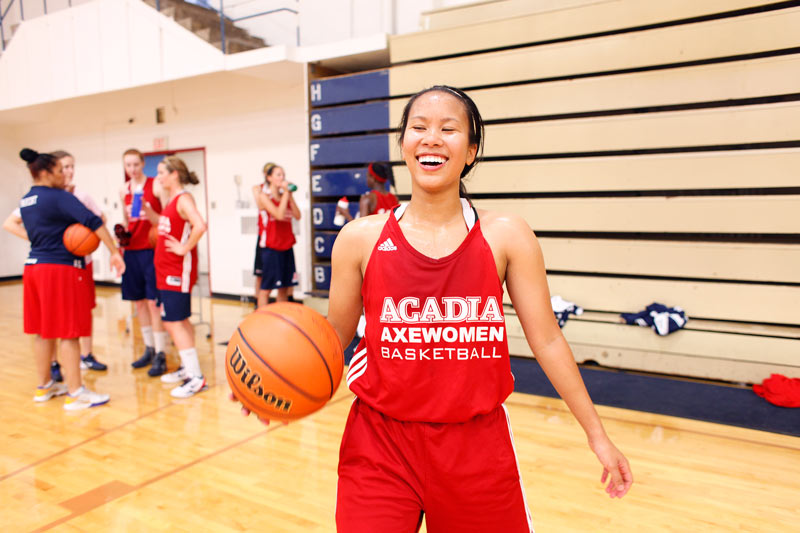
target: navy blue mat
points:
(687, 399)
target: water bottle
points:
(292, 187)
(339, 219)
(136, 204)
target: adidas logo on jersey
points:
(387, 246)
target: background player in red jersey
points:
(377, 199)
(56, 303)
(277, 259)
(139, 281)
(263, 217)
(180, 227)
(88, 360)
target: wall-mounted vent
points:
(249, 225)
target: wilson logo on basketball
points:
(252, 381)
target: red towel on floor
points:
(780, 390)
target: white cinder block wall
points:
(15, 182)
(241, 121)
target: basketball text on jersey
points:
(29, 201)
(252, 380)
(406, 322)
(164, 225)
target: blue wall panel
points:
(353, 88)
(322, 276)
(151, 164)
(341, 182)
(322, 215)
(323, 243)
(349, 150)
(351, 118)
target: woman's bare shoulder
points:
(502, 222)
(363, 231)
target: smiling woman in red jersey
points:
(428, 433)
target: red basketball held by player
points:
(80, 240)
(284, 361)
(152, 235)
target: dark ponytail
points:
(476, 129)
(37, 162)
(382, 172)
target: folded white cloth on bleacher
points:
(563, 309)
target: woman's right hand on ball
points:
(246, 411)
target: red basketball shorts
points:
(56, 305)
(464, 477)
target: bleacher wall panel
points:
(699, 84)
(643, 49)
(486, 27)
(659, 163)
(676, 171)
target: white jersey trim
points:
(469, 212)
(521, 486)
(358, 365)
(186, 275)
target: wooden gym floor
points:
(148, 462)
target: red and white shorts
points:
(464, 477)
(56, 302)
(88, 282)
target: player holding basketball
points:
(139, 281)
(277, 259)
(180, 227)
(428, 431)
(377, 200)
(56, 304)
(14, 224)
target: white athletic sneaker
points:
(56, 389)
(175, 377)
(190, 387)
(84, 400)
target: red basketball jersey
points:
(173, 272)
(263, 218)
(435, 347)
(140, 227)
(385, 201)
(279, 234)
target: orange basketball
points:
(284, 361)
(80, 240)
(153, 236)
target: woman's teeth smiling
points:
(431, 161)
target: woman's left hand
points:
(616, 469)
(174, 245)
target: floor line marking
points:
(85, 441)
(111, 497)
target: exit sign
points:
(160, 144)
